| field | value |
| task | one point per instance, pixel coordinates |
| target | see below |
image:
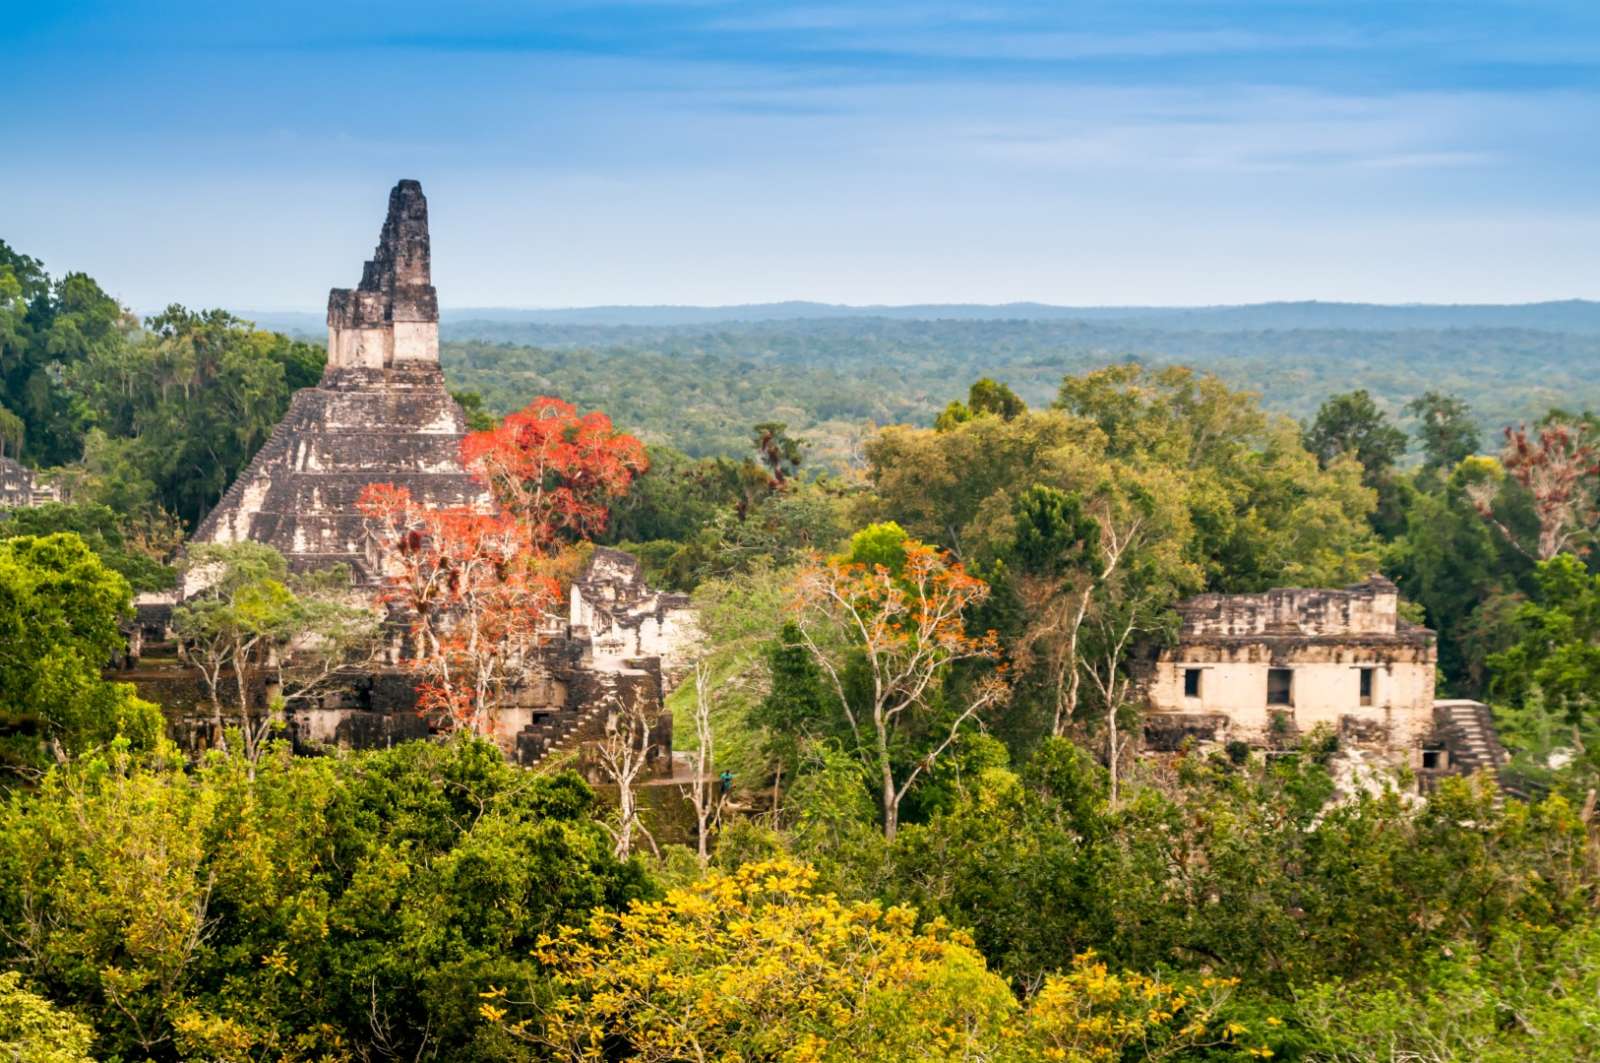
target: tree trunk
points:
(891, 805)
(247, 730)
(625, 832)
(1111, 721)
(216, 720)
(890, 798)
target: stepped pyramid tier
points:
(380, 414)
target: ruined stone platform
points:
(357, 427)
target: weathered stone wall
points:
(1370, 608)
(624, 619)
(1216, 683)
(16, 484)
(19, 487)
(357, 427)
(1325, 689)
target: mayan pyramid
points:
(381, 413)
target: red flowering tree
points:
(479, 587)
(476, 596)
(555, 470)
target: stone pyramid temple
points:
(380, 414)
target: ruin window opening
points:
(1432, 759)
(1366, 685)
(1280, 686)
(1191, 682)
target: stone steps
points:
(1481, 749)
(558, 732)
(1466, 730)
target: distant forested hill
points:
(700, 387)
(1571, 315)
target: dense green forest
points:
(934, 839)
(698, 388)
(147, 421)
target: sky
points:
(1176, 152)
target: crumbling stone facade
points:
(1264, 669)
(16, 484)
(572, 696)
(624, 619)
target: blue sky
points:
(1177, 152)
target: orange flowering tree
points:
(476, 596)
(555, 470)
(479, 587)
(899, 607)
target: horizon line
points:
(1034, 303)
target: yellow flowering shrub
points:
(1091, 1014)
(755, 965)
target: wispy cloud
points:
(756, 148)
(1256, 130)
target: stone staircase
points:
(559, 731)
(1464, 734)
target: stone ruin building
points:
(20, 488)
(382, 414)
(1266, 669)
(624, 618)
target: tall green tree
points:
(48, 329)
(59, 613)
(796, 709)
(314, 908)
(1023, 860)
(1462, 572)
(1557, 656)
(194, 398)
(102, 531)
(245, 618)
(1445, 428)
(986, 396)
(1351, 423)
(956, 487)
(1265, 513)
